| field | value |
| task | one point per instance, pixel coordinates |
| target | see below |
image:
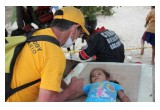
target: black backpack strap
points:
(44, 38)
(23, 86)
(48, 38)
(30, 33)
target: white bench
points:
(136, 79)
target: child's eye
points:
(99, 73)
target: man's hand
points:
(54, 96)
(76, 85)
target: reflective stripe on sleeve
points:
(84, 55)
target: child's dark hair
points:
(106, 74)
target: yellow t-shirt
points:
(151, 21)
(40, 59)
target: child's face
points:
(98, 76)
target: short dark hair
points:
(63, 24)
(106, 74)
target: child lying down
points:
(101, 88)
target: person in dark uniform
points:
(105, 45)
(24, 16)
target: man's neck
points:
(61, 35)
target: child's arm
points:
(123, 97)
(146, 24)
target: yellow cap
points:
(73, 14)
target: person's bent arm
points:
(52, 96)
(146, 23)
(123, 97)
(90, 49)
(76, 95)
(83, 55)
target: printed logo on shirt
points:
(112, 39)
(35, 47)
(110, 87)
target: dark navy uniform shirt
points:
(106, 46)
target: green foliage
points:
(107, 10)
(91, 11)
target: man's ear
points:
(75, 26)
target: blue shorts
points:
(149, 38)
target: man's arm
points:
(76, 95)
(123, 97)
(90, 49)
(52, 96)
(146, 24)
(148, 18)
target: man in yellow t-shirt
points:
(45, 60)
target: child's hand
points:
(123, 97)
